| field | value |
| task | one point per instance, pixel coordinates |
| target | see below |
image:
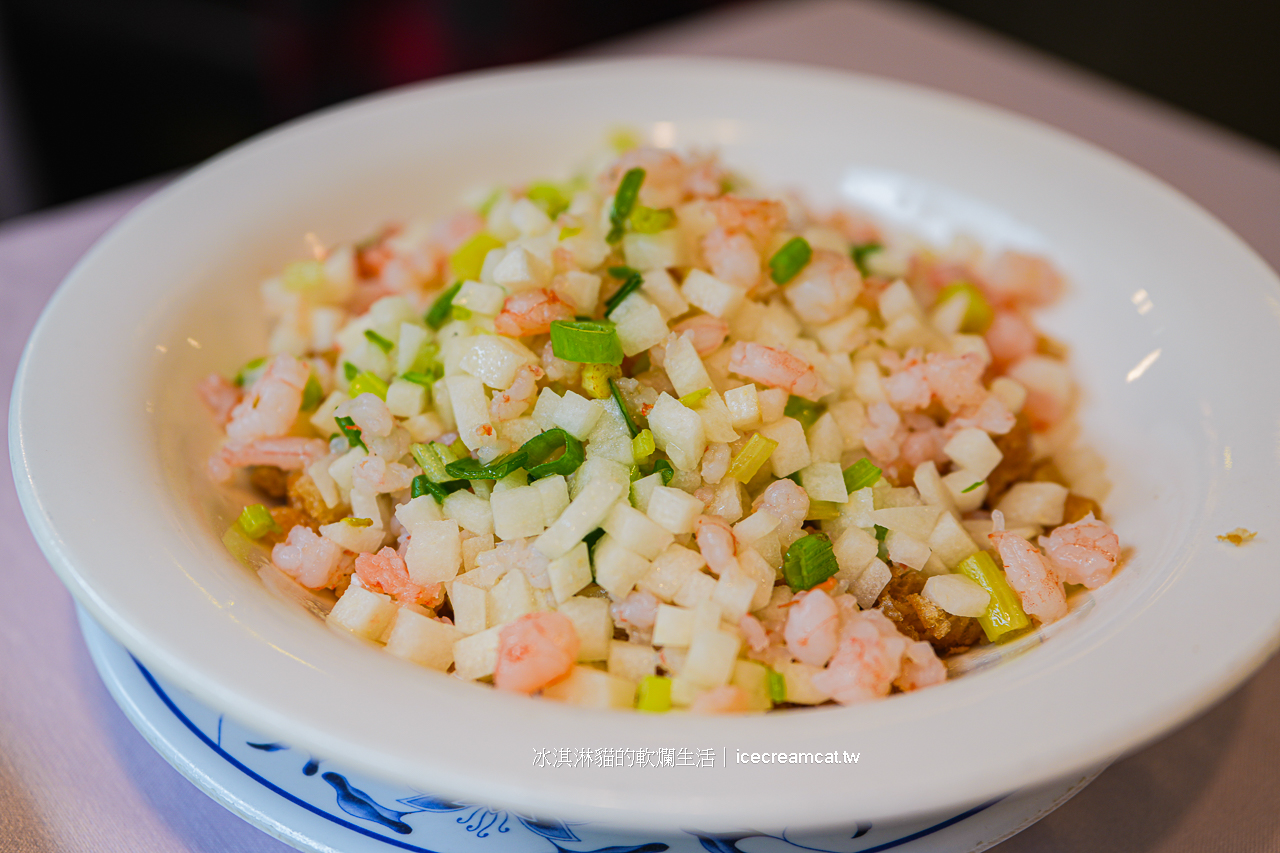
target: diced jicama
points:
(914, 521)
(472, 547)
(554, 491)
(353, 538)
(753, 527)
(685, 369)
(639, 324)
(896, 301)
(711, 657)
(773, 402)
(443, 406)
(478, 298)
(854, 551)
(470, 607)
(642, 490)
(1033, 503)
(868, 381)
(968, 490)
(932, 490)
(471, 411)
(570, 573)
(826, 441)
(610, 438)
(519, 270)
(476, 656)
(705, 291)
(731, 500)
(957, 595)
(973, 450)
(678, 431)
(743, 404)
(792, 452)
(591, 688)
(579, 289)
(511, 598)
(950, 542)
(425, 641)
(660, 287)
(669, 571)
(594, 626)
(342, 468)
(469, 511)
(757, 569)
(418, 511)
(636, 531)
(851, 417)
(734, 592)
(517, 512)
(599, 468)
(798, 678)
(584, 514)
(696, 589)
(673, 626)
(618, 568)
(824, 481)
(577, 415)
(870, 583)
(363, 612)
(906, 549)
(660, 250)
(406, 399)
(753, 678)
(434, 554)
(632, 661)
(673, 509)
(544, 410)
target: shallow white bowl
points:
(1168, 315)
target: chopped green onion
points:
(971, 488)
(859, 475)
(459, 312)
(256, 522)
(457, 447)
(586, 342)
(623, 202)
(663, 468)
(649, 220)
(570, 231)
(539, 449)
(596, 378)
(349, 370)
(978, 313)
(418, 378)
(358, 522)
(636, 473)
(654, 694)
(823, 510)
(439, 313)
(693, 398)
(860, 255)
(643, 445)
(777, 686)
(474, 469)
(248, 374)
(468, 259)
(301, 276)
(626, 415)
(882, 550)
(351, 431)
(1004, 612)
(805, 411)
(367, 383)
(808, 562)
(379, 341)
(548, 197)
(787, 262)
(422, 485)
(312, 394)
(746, 463)
(632, 280)
(591, 539)
(428, 458)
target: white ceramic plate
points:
(1168, 314)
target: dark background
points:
(97, 94)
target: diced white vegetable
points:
(653, 251)
(1046, 376)
(1033, 503)
(799, 683)
(577, 415)
(851, 417)
(957, 595)
(412, 337)
(673, 509)
(583, 515)
(471, 410)
(470, 607)
(599, 468)
(685, 368)
(897, 300)
(973, 450)
(824, 481)
(870, 583)
(642, 489)
(697, 588)
(730, 501)
(579, 289)
(906, 549)
(318, 471)
(950, 542)
(709, 293)
(554, 492)
(1009, 392)
(734, 593)
(773, 402)
(357, 539)
(914, 521)
(679, 432)
(711, 657)
(632, 661)
(519, 270)
(470, 511)
(442, 404)
(753, 678)
(424, 427)
(544, 410)
(931, 488)
(363, 612)
(511, 598)
(668, 573)
(435, 552)
(744, 406)
(517, 512)
(570, 573)
(476, 656)
(854, 550)
(717, 423)
(486, 299)
(826, 441)
(639, 324)
(425, 641)
(417, 512)
(792, 452)
(661, 288)
(673, 626)
(588, 687)
(494, 360)
(611, 438)
(753, 527)
(761, 573)
(406, 399)
(868, 381)
(472, 547)
(976, 344)
(618, 568)
(968, 490)
(594, 626)
(341, 468)
(635, 531)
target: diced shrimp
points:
(289, 453)
(784, 500)
(531, 312)
(308, 558)
(716, 542)
(857, 229)
(664, 175)
(715, 462)
(534, 651)
(219, 396)
(992, 416)
(725, 699)
(557, 369)
(812, 627)
(758, 218)
(923, 442)
(518, 554)
(374, 474)
(1084, 552)
(1031, 576)
(825, 289)
(386, 572)
(921, 667)
(754, 633)
(1018, 278)
(907, 386)
(369, 413)
(867, 660)
(956, 380)
(637, 611)
(732, 257)
(512, 402)
(1010, 337)
(706, 332)
(777, 368)
(884, 433)
(271, 405)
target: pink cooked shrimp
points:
(289, 453)
(706, 332)
(992, 416)
(956, 380)
(907, 386)
(756, 217)
(1010, 337)
(369, 413)
(219, 396)
(558, 370)
(512, 402)
(271, 405)
(1083, 552)
(924, 441)
(785, 501)
(732, 257)
(725, 699)
(534, 651)
(1031, 577)
(716, 542)
(386, 572)
(867, 660)
(921, 667)
(825, 289)
(638, 611)
(754, 633)
(777, 368)
(664, 175)
(884, 433)
(813, 623)
(1015, 278)
(531, 312)
(374, 474)
(308, 558)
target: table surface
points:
(75, 775)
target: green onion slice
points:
(643, 445)
(650, 220)
(626, 416)
(429, 460)
(787, 262)
(439, 313)
(358, 522)
(882, 550)
(468, 259)
(746, 464)
(693, 398)
(663, 467)
(823, 510)
(417, 378)
(349, 370)
(805, 411)
(368, 383)
(474, 469)
(586, 341)
(654, 694)
(859, 475)
(422, 485)
(256, 522)
(978, 313)
(808, 562)
(384, 344)
(351, 431)
(971, 488)
(548, 197)
(1004, 612)
(631, 282)
(539, 449)
(860, 255)
(777, 684)
(623, 202)
(312, 394)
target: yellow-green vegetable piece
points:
(1004, 613)
(654, 694)
(978, 315)
(468, 259)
